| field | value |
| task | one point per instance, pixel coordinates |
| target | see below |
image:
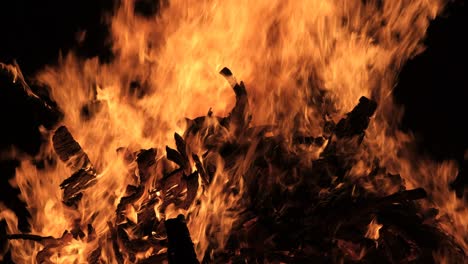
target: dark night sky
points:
(433, 87)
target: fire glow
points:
(304, 66)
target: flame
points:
(373, 230)
(301, 61)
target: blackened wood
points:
(66, 147)
(30, 237)
(181, 147)
(115, 243)
(201, 170)
(52, 246)
(192, 188)
(174, 156)
(174, 185)
(409, 195)
(3, 237)
(95, 256)
(84, 174)
(238, 116)
(180, 249)
(74, 186)
(76, 231)
(146, 159)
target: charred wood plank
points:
(31, 237)
(95, 256)
(3, 238)
(356, 121)
(84, 174)
(192, 188)
(174, 156)
(182, 148)
(180, 249)
(115, 244)
(68, 150)
(146, 159)
(179, 189)
(51, 246)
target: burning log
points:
(95, 256)
(356, 121)
(180, 247)
(238, 115)
(51, 244)
(146, 159)
(84, 174)
(460, 184)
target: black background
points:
(433, 87)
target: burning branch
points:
(180, 247)
(84, 174)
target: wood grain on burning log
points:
(71, 153)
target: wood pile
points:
(294, 208)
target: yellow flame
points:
(373, 230)
(284, 51)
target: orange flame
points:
(373, 230)
(289, 53)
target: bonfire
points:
(164, 156)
